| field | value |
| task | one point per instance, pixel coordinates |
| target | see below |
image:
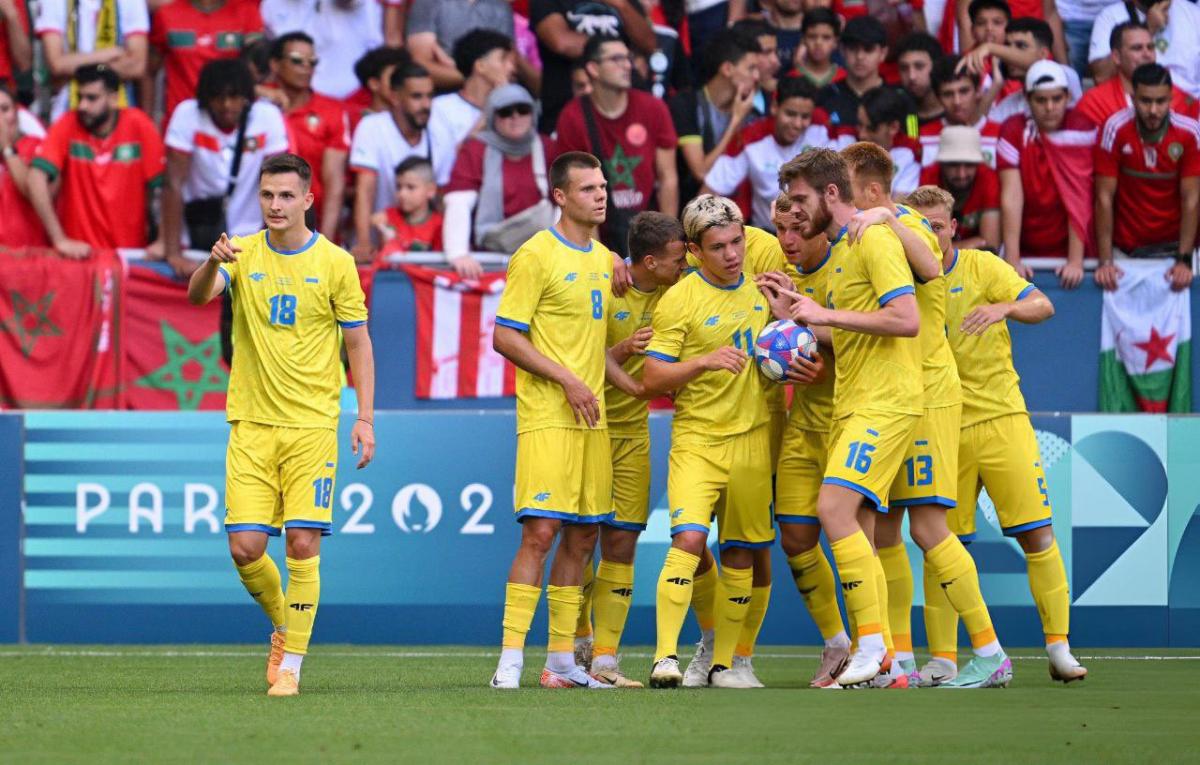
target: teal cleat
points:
(907, 666)
(983, 672)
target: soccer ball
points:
(779, 343)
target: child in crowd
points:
(413, 224)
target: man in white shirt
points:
(486, 61)
(385, 139)
(881, 116)
(1175, 25)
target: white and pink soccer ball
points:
(779, 343)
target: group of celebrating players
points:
(911, 404)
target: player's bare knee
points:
(618, 545)
(1036, 540)
(303, 543)
(798, 538)
(691, 542)
(247, 547)
(737, 557)
(537, 537)
(579, 540)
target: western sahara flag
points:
(1145, 342)
(455, 321)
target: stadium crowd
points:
(1062, 129)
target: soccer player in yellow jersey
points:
(927, 483)
(997, 448)
(551, 324)
(874, 322)
(720, 444)
(292, 289)
(656, 251)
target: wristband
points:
(360, 419)
(1183, 258)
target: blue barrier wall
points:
(123, 541)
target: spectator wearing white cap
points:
(962, 169)
(1175, 25)
(1045, 164)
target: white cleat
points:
(576, 677)
(696, 675)
(583, 652)
(935, 672)
(722, 677)
(745, 667)
(863, 666)
(507, 677)
(608, 671)
(666, 673)
(1064, 667)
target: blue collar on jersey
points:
(839, 236)
(741, 278)
(309, 243)
(572, 245)
(817, 267)
(953, 263)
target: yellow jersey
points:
(696, 317)
(939, 373)
(812, 405)
(873, 371)
(558, 293)
(287, 307)
(626, 315)
(990, 383)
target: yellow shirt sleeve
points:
(522, 291)
(670, 327)
(349, 302)
(885, 265)
(1003, 282)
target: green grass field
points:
(431, 704)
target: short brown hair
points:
(783, 203)
(818, 168)
(560, 169)
(870, 162)
(650, 232)
(930, 196)
(282, 164)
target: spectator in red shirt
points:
(317, 126)
(1132, 46)
(19, 226)
(881, 117)
(105, 159)
(962, 169)
(814, 62)
(1148, 182)
(637, 140)
(16, 45)
(412, 225)
(1026, 41)
(959, 92)
(1045, 163)
(916, 55)
(1042, 10)
(187, 34)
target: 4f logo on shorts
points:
(678, 512)
(541, 496)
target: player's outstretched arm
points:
(205, 283)
(362, 367)
(516, 346)
(896, 318)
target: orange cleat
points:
(275, 657)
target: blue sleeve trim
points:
(689, 527)
(662, 356)
(224, 276)
(233, 528)
(351, 324)
(533, 512)
(745, 545)
(1026, 291)
(510, 323)
(798, 520)
(917, 501)
(1012, 531)
(860, 489)
(888, 297)
(625, 525)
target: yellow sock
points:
(958, 577)
(1048, 583)
(563, 603)
(611, 597)
(704, 593)
(671, 599)
(881, 590)
(814, 579)
(303, 594)
(583, 627)
(856, 567)
(520, 601)
(755, 614)
(898, 573)
(734, 589)
(261, 579)
(941, 620)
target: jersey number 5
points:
(283, 309)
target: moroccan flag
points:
(455, 321)
(172, 348)
(60, 330)
(1145, 342)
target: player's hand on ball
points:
(806, 371)
(1069, 275)
(583, 402)
(362, 442)
(225, 251)
(983, 317)
(728, 358)
(807, 311)
(1106, 276)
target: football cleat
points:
(507, 677)
(611, 675)
(696, 675)
(863, 666)
(894, 677)
(726, 677)
(984, 672)
(576, 677)
(1064, 667)
(935, 672)
(666, 673)
(833, 661)
(286, 685)
(583, 652)
(744, 666)
(275, 657)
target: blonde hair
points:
(709, 211)
(783, 203)
(930, 196)
(870, 162)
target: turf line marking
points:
(173, 654)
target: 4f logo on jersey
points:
(711, 321)
(622, 315)
(258, 276)
(570, 277)
(301, 607)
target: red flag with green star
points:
(172, 348)
(60, 330)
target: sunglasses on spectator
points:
(299, 60)
(508, 111)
